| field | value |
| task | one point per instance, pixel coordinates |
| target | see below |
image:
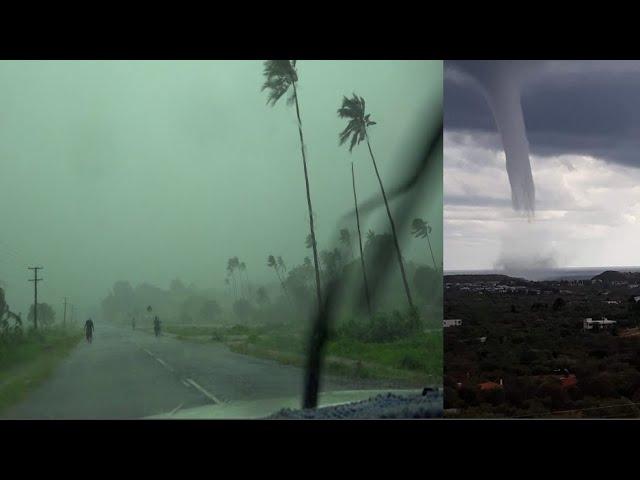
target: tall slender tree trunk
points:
(393, 226)
(306, 180)
(432, 257)
(364, 270)
(320, 330)
(235, 286)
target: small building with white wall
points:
(452, 322)
(591, 324)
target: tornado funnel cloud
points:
(504, 99)
(500, 81)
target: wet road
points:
(125, 374)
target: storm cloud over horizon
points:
(582, 120)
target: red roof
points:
(568, 381)
(489, 385)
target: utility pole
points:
(72, 313)
(35, 281)
(64, 321)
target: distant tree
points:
(242, 267)
(6, 315)
(345, 239)
(371, 235)
(377, 243)
(243, 309)
(210, 310)
(353, 109)
(332, 261)
(280, 75)
(273, 263)
(558, 304)
(422, 229)
(232, 265)
(281, 264)
(46, 314)
(262, 296)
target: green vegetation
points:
(537, 346)
(394, 348)
(27, 359)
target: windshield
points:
(243, 237)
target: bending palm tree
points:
(279, 76)
(271, 262)
(353, 109)
(422, 229)
(243, 268)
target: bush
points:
(239, 330)
(382, 327)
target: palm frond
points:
(279, 75)
(353, 109)
(420, 228)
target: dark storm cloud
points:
(585, 108)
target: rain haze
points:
(150, 171)
(166, 201)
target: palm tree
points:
(353, 109)
(281, 264)
(422, 229)
(232, 264)
(362, 263)
(262, 296)
(271, 262)
(243, 268)
(279, 76)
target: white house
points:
(453, 322)
(590, 324)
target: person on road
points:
(156, 326)
(88, 330)
(133, 323)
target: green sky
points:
(148, 171)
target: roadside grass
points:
(415, 359)
(27, 361)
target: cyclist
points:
(88, 330)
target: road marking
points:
(176, 409)
(203, 391)
(161, 362)
(188, 382)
